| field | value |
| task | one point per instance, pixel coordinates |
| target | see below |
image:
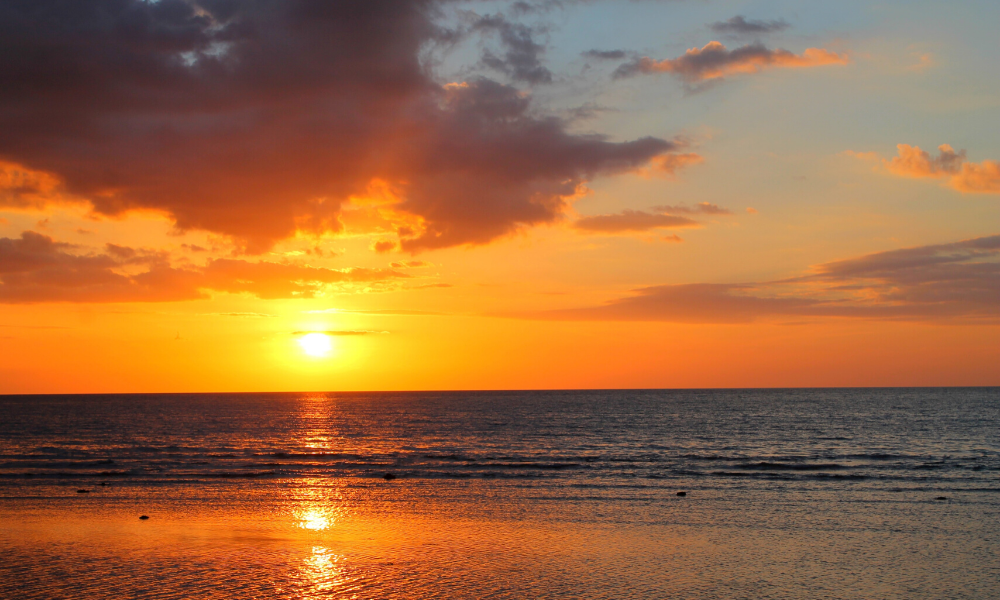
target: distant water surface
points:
(849, 493)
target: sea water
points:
(812, 493)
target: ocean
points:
(797, 494)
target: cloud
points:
(960, 174)
(701, 208)
(36, 268)
(432, 285)
(605, 54)
(914, 162)
(494, 168)
(630, 221)
(958, 282)
(410, 264)
(739, 25)
(520, 61)
(634, 221)
(383, 246)
(258, 120)
(21, 187)
(714, 61)
(669, 164)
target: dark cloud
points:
(259, 119)
(955, 282)
(520, 60)
(630, 221)
(739, 25)
(714, 61)
(36, 268)
(492, 167)
(605, 54)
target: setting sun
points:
(316, 344)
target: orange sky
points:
(469, 195)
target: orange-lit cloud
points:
(629, 221)
(957, 281)
(960, 174)
(662, 217)
(36, 268)
(714, 61)
(21, 187)
(259, 119)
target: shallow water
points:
(887, 493)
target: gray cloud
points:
(958, 282)
(520, 61)
(605, 54)
(739, 25)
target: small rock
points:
(82, 491)
(389, 476)
(941, 498)
(682, 493)
(143, 517)
(104, 483)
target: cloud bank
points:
(36, 268)
(944, 282)
(260, 119)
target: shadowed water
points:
(879, 493)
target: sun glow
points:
(316, 344)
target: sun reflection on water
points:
(323, 571)
(314, 520)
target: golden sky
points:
(446, 194)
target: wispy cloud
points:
(714, 61)
(957, 282)
(629, 221)
(740, 25)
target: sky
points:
(299, 195)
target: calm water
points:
(879, 493)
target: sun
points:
(316, 344)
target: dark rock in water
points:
(941, 498)
(143, 518)
(103, 483)
(388, 476)
(682, 493)
(82, 491)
